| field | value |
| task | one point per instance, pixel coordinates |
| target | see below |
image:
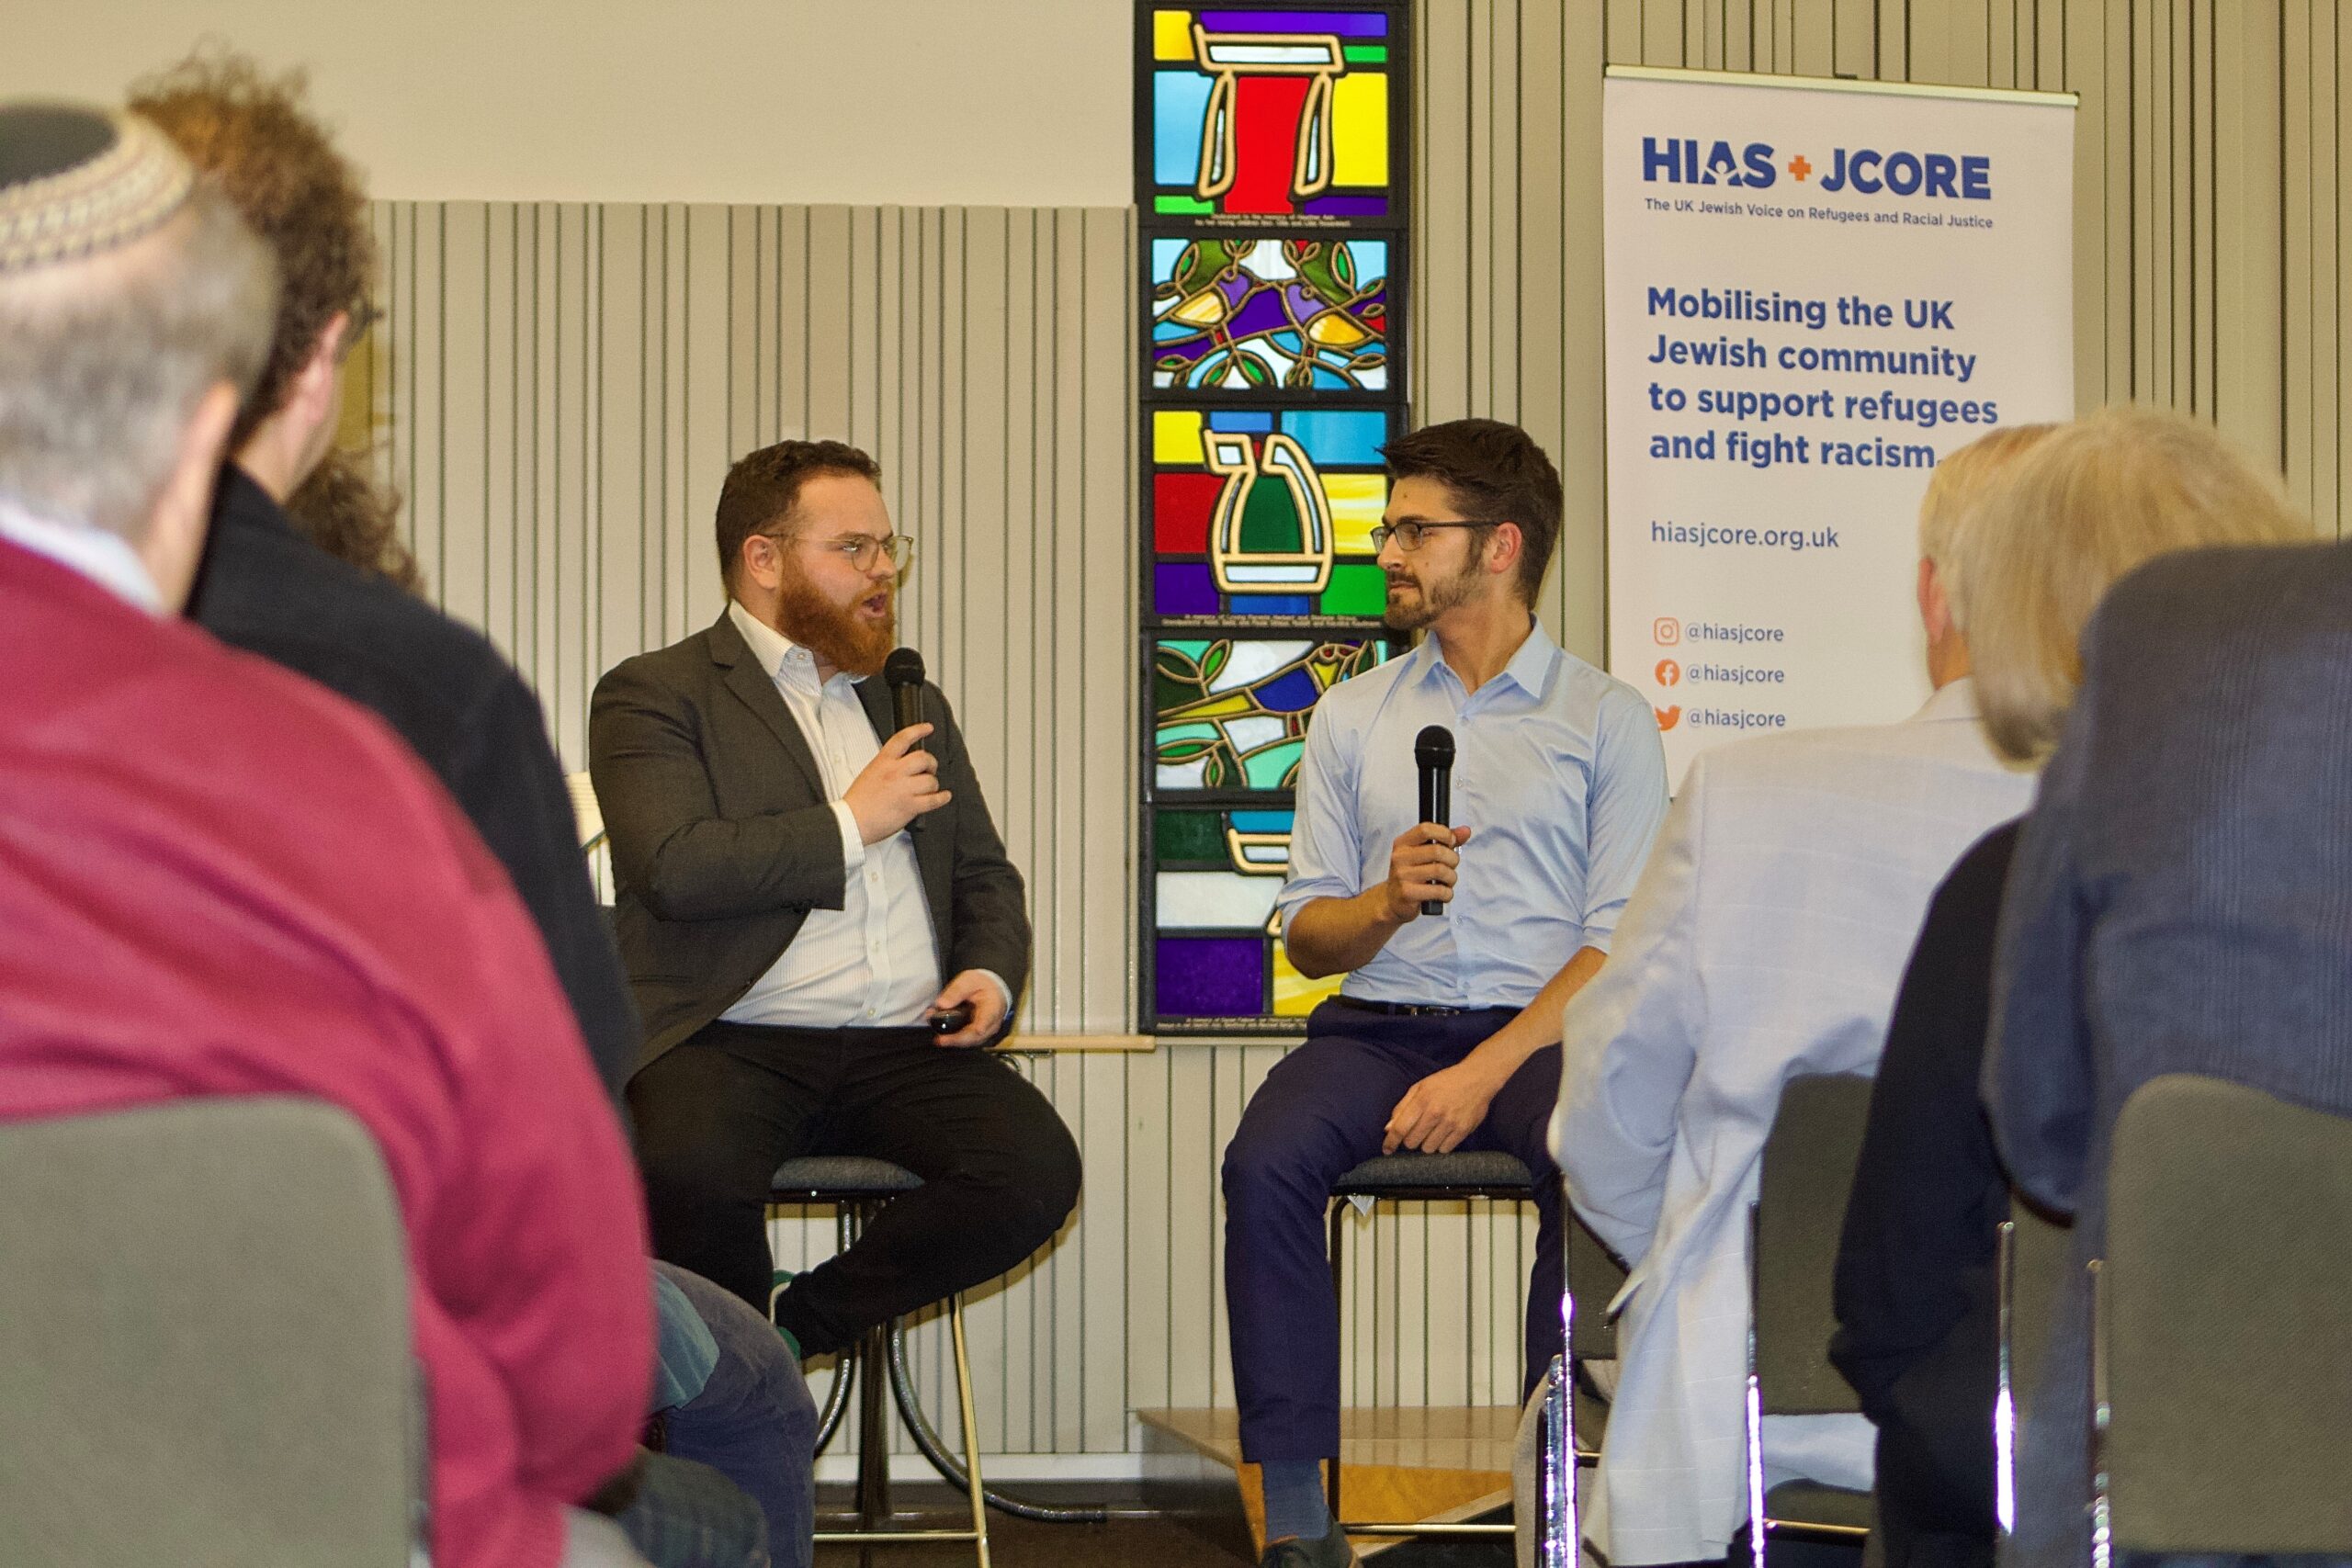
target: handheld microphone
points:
(903, 670)
(1434, 750)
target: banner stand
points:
(1814, 291)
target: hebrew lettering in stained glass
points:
(1269, 315)
(1229, 538)
(1278, 113)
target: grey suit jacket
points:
(2178, 905)
(723, 838)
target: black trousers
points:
(716, 1114)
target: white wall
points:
(869, 102)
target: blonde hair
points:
(1952, 491)
(2043, 542)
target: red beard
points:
(836, 635)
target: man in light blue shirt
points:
(1446, 1034)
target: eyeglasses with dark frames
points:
(1411, 537)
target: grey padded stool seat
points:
(855, 1186)
(1420, 1178)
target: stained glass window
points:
(1266, 512)
(1271, 187)
(1280, 113)
(1231, 713)
(1218, 953)
(1245, 314)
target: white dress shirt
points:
(873, 963)
(1767, 938)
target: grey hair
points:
(103, 360)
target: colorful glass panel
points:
(1272, 113)
(1231, 713)
(1260, 512)
(1271, 196)
(1218, 871)
(1209, 977)
(1245, 314)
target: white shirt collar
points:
(105, 558)
(1529, 666)
(1954, 699)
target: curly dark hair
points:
(252, 134)
(345, 512)
(763, 486)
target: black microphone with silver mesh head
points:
(1434, 750)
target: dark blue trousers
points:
(1321, 1110)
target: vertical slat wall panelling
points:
(1539, 218)
(2151, 200)
(2337, 517)
(2301, 211)
(461, 348)
(2318, 251)
(1443, 345)
(2193, 59)
(1195, 1231)
(2107, 57)
(1577, 594)
(2246, 174)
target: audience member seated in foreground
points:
(2176, 904)
(218, 879)
(1765, 939)
(352, 626)
(1916, 1310)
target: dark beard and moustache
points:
(1437, 598)
(834, 634)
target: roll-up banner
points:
(1816, 290)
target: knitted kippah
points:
(76, 181)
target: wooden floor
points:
(1473, 1437)
(1143, 1543)
(1425, 1465)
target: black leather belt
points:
(1402, 1009)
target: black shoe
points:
(1330, 1551)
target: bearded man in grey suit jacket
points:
(801, 891)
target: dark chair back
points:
(2224, 1340)
(1594, 1279)
(1809, 1159)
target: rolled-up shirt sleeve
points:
(1325, 850)
(1623, 811)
